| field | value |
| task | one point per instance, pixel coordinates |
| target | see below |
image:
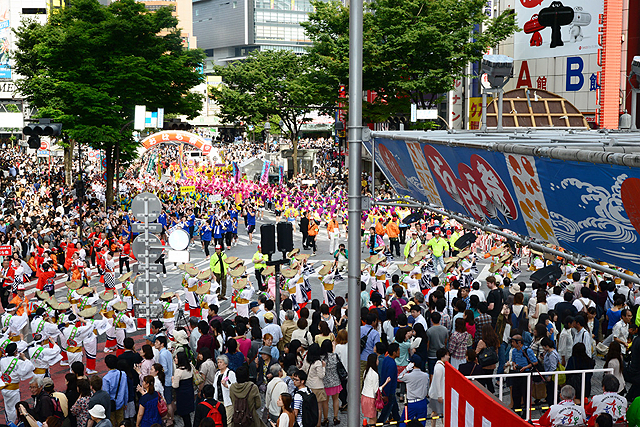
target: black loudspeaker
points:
(268, 239)
(285, 237)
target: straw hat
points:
(302, 257)
(324, 270)
(505, 257)
(88, 312)
(495, 267)
(422, 252)
(120, 306)
(183, 267)
(236, 263)
(405, 268)
(166, 295)
(107, 296)
(448, 266)
(240, 283)
(74, 284)
(42, 295)
(203, 289)
(496, 251)
(373, 260)
(192, 271)
(464, 254)
(416, 259)
(269, 271)
(84, 291)
(238, 271)
(125, 277)
(293, 253)
(287, 272)
(451, 259)
(231, 259)
(61, 306)
(204, 274)
(295, 265)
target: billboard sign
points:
(552, 28)
(587, 208)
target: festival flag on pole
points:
(280, 174)
(180, 153)
(159, 167)
(264, 177)
(236, 172)
(466, 405)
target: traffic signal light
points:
(44, 127)
(268, 239)
(175, 124)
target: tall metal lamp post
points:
(267, 128)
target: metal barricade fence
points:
(531, 375)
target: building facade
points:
(229, 30)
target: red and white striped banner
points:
(466, 405)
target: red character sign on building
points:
(5, 250)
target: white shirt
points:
(274, 330)
(621, 331)
(480, 295)
(417, 383)
(583, 302)
(275, 388)
(552, 300)
(436, 390)
(420, 319)
(230, 376)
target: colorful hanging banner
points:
(264, 177)
(236, 172)
(280, 174)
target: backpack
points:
(214, 412)
(519, 322)
(363, 341)
(57, 407)
(242, 416)
(310, 414)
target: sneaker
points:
(91, 371)
(106, 350)
(164, 275)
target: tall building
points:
(181, 10)
(229, 30)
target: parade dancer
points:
(90, 342)
(74, 333)
(109, 298)
(14, 367)
(123, 324)
(43, 354)
(169, 312)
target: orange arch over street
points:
(178, 136)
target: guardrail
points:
(531, 375)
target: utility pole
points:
(355, 209)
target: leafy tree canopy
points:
(413, 49)
(272, 83)
(89, 65)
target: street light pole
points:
(355, 208)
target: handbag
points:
(198, 378)
(562, 378)
(381, 400)
(488, 357)
(342, 372)
(162, 406)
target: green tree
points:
(89, 65)
(414, 50)
(272, 83)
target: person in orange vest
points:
(21, 301)
(393, 230)
(381, 230)
(313, 232)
